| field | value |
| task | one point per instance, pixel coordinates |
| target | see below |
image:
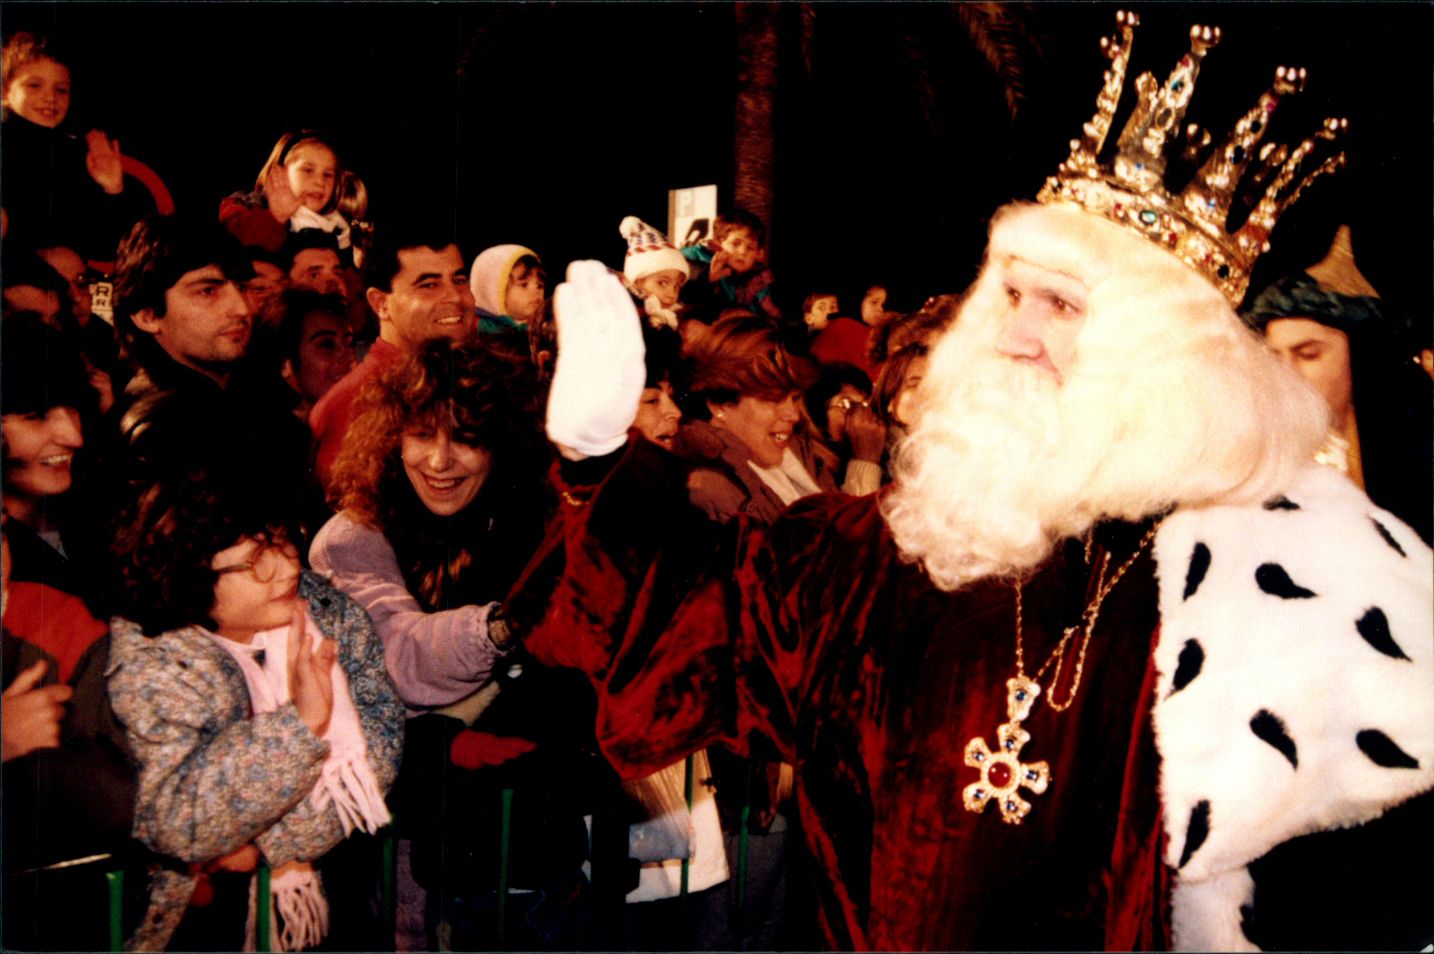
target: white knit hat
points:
(648, 250)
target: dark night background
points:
(545, 124)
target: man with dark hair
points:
(312, 260)
(177, 307)
(186, 324)
(418, 288)
(1330, 324)
(270, 278)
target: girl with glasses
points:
(256, 703)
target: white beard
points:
(1169, 401)
(989, 476)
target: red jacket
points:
(248, 219)
(336, 410)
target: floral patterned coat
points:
(213, 778)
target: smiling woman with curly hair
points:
(442, 498)
(445, 469)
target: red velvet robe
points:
(812, 639)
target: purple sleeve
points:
(433, 658)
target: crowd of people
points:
(642, 615)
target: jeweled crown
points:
(1192, 224)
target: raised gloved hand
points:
(600, 369)
(472, 749)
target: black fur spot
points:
(1197, 831)
(1273, 579)
(1199, 566)
(1281, 503)
(1192, 658)
(1248, 923)
(1382, 751)
(1270, 728)
(1374, 627)
(1388, 537)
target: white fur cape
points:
(1296, 693)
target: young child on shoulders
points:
(730, 270)
(296, 189)
(654, 271)
(509, 287)
(57, 186)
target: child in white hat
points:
(654, 271)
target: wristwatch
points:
(500, 634)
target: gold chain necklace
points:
(1002, 771)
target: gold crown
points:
(1190, 225)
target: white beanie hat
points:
(648, 250)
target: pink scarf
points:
(347, 783)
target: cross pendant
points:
(1003, 774)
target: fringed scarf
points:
(347, 783)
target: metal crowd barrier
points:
(389, 876)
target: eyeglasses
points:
(263, 565)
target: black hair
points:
(22, 265)
(164, 543)
(304, 239)
(381, 262)
(287, 311)
(156, 253)
(814, 297)
(739, 218)
(664, 354)
(833, 378)
(258, 253)
(41, 368)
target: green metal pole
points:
(115, 881)
(503, 845)
(261, 918)
(686, 862)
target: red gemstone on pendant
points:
(999, 774)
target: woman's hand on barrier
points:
(600, 367)
(240, 859)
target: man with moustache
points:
(418, 288)
(1109, 639)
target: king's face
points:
(1043, 313)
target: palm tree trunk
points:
(756, 97)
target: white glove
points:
(601, 365)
